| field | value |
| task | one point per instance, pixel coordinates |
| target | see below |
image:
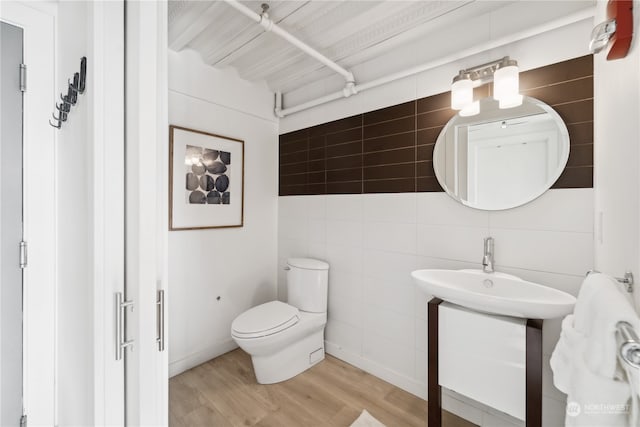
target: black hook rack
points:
(75, 87)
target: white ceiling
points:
(348, 32)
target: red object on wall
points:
(621, 11)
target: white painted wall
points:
(73, 196)
(377, 317)
(617, 158)
(235, 264)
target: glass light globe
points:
(506, 83)
(513, 101)
(471, 109)
(461, 94)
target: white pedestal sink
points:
(513, 342)
(495, 293)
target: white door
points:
(106, 78)
(11, 47)
(145, 387)
(146, 206)
(130, 243)
(29, 385)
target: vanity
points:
(485, 339)
(485, 327)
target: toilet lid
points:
(265, 319)
(307, 264)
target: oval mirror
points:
(500, 159)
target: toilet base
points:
(291, 360)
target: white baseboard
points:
(407, 384)
(194, 359)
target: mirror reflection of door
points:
(501, 158)
(509, 160)
(11, 48)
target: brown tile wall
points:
(390, 150)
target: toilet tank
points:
(307, 284)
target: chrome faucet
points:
(487, 259)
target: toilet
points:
(285, 339)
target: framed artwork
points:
(206, 180)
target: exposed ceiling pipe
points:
(278, 104)
(549, 26)
(268, 25)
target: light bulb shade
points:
(513, 101)
(461, 94)
(506, 83)
(471, 109)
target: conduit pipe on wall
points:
(268, 25)
(549, 26)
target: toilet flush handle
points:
(287, 268)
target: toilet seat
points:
(265, 319)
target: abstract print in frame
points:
(206, 180)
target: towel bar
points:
(629, 349)
(626, 280)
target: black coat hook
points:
(63, 113)
(66, 104)
(75, 87)
(62, 118)
(73, 90)
(83, 75)
(65, 100)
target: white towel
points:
(564, 353)
(633, 377)
(585, 362)
(584, 388)
(596, 316)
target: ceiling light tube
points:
(461, 91)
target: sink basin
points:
(495, 293)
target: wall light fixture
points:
(506, 85)
(461, 91)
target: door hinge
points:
(23, 254)
(23, 421)
(23, 78)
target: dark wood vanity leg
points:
(434, 392)
(534, 373)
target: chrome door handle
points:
(160, 320)
(121, 309)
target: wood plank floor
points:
(223, 392)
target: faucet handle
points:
(487, 259)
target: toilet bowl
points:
(285, 339)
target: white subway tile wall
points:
(377, 316)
